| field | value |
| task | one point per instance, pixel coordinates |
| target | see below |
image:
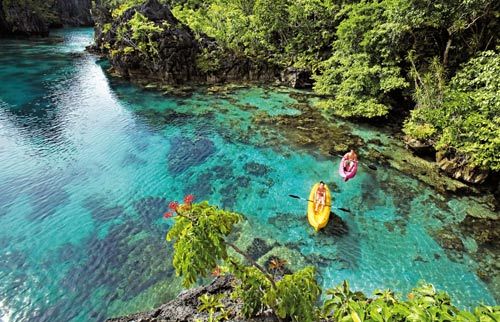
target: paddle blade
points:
(294, 196)
(344, 209)
(373, 167)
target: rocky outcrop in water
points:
(33, 18)
(169, 52)
(459, 168)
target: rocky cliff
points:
(19, 18)
(185, 307)
(146, 44)
(74, 12)
(33, 18)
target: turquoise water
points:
(88, 164)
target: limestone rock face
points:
(74, 12)
(296, 77)
(18, 19)
(21, 18)
(179, 56)
(418, 146)
(458, 168)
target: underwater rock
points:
(449, 240)
(222, 172)
(295, 260)
(100, 210)
(105, 214)
(127, 261)
(286, 221)
(256, 169)
(258, 248)
(229, 194)
(309, 130)
(185, 153)
(159, 119)
(177, 91)
(151, 208)
(243, 181)
(320, 260)
(202, 188)
(389, 226)
(423, 170)
(483, 230)
(132, 159)
(419, 258)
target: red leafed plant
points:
(188, 199)
(174, 206)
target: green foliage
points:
(143, 32)
(295, 296)
(464, 115)
(209, 60)
(424, 304)
(364, 64)
(284, 32)
(44, 9)
(199, 233)
(213, 305)
(343, 302)
(252, 288)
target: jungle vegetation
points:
(202, 244)
(438, 60)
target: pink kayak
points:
(348, 172)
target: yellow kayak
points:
(318, 219)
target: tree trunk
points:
(447, 50)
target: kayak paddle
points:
(297, 197)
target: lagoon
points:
(89, 162)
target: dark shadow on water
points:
(342, 233)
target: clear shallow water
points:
(88, 163)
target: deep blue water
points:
(88, 164)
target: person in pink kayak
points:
(350, 159)
(320, 197)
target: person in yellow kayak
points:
(319, 197)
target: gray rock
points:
(459, 167)
(74, 12)
(185, 307)
(178, 51)
(33, 18)
(296, 77)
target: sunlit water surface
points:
(88, 164)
